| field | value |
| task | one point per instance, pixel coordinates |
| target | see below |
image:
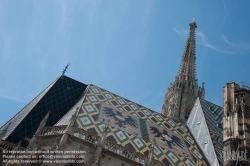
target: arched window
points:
(187, 113)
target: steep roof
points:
(58, 97)
(17, 119)
(135, 127)
(205, 124)
(213, 114)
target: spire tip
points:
(64, 70)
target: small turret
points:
(201, 93)
(100, 146)
(150, 157)
(101, 141)
(42, 124)
(69, 129)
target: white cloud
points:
(182, 33)
(239, 45)
(225, 7)
(204, 40)
(206, 43)
(13, 98)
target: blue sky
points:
(131, 48)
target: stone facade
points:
(236, 125)
(110, 154)
(181, 95)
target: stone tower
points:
(181, 95)
(236, 125)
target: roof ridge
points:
(79, 102)
(137, 104)
(14, 125)
(203, 119)
(210, 103)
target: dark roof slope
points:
(58, 97)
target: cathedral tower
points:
(181, 95)
(236, 125)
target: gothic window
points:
(241, 132)
(247, 127)
(169, 111)
(187, 114)
(247, 114)
(125, 153)
(240, 113)
(175, 95)
(90, 138)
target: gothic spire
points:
(182, 94)
(187, 66)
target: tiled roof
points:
(204, 123)
(213, 114)
(135, 127)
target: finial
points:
(150, 157)
(152, 146)
(193, 20)
(64, 70)
(154, 141)
(101, 141)
(107, 125)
